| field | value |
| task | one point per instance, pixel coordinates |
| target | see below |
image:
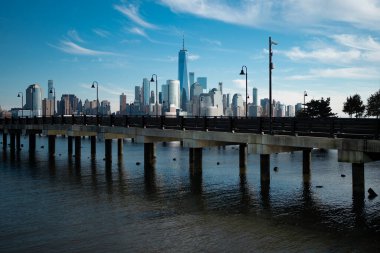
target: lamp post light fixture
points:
(22, 102)
(152, 80)
(304, 101)
(246, 87)
(97, 95)
(51, 91)
(271, 42)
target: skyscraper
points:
(50, 90)
(123, 104)
(191, 78)
(182, 76)
(202, 81)
(146, 91)
(254, 96)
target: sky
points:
(329, 48)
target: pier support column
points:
(243, 155)
(93, 146)
(18, 141)
(120, 147)
(108, 149)
(32, 143)
(5, 141)
(149, 155)
(265, 168)
(78, 141)
(306, 161)
(195, 159)
(51, 145)
(358, 178)
(70, 145)
(12, 141)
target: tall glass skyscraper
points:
(254, 96)
(183, 76)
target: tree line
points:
(353, 106)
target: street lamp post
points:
(22, 103)
(246, 87)
(51, 91)
(270, 82)
(152, 80)
(304, 100)
(97, 95)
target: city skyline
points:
(331, 53)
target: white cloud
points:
(73, 48)
(339, 73)
(73, 34)
(101, 33)
(138, 31)
(212, 42)
(193, 57)
(132, 13)
(326, 55)
(286, 13)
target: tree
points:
(373, 104)
(354, 105)
(317, 109)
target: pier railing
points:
(321, 127)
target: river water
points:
(70, 205)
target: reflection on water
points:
(87, 204)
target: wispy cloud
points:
(138, 31)
(212, 42)
(193, 57)
(339, 73)
(73, 48)
(354, 41)
(325, 55)
(132, 13)
(272, 13)
(101, 33)
(73, 34)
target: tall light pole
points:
(22, 103)
(304, 100)
(152, 80)
(51, 91)
(97, 95)
(270, 82)
(246, 87)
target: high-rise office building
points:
(254, 96)
(182, 76)
(123, 104)
(33, 96)
(173, 94)
(203, 82)
(137, 94)
(195, 90)
(50, 90)
(238, 105)
(146, 91)
(191, 78)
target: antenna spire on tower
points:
(183, 41)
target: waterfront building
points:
(195, 90)
(146, 91)
(68, 105)
(123, 104)
(171, 93)
(290, 111)
(254, 96)
(238, 105)
(47, 107)
(105, 107)
(191, 78)
(298, 107)
(202, 81)
(33, 96)
(183, 77)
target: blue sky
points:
(330, 48)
